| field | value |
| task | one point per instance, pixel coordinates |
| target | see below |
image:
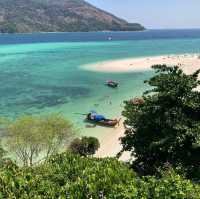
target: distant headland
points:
(27, 16)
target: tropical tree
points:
(165, 126)
(85, 146)
(57, 132)
(34, 138)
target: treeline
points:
(162, 134)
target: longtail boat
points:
(104, 122)
(112, 84)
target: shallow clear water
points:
(46, 76)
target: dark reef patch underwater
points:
(41, 72)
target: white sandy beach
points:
(188, 62)
(110, 145)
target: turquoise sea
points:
(41, 73)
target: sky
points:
(155, 13)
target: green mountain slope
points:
(58, 16)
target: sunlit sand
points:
(188, 62)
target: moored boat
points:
(101, 120)
(112, 84)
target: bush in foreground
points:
(72, 176)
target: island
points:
(28, 16)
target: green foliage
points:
(33, 138)
(58, 16)
(72, 176)
(166, 127)
(85, 146)
(8, 27)
(170, 185)
(2, 154)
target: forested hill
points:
(25, 16)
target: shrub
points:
(72, 176)
(85, 146)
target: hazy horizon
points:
(171, 14)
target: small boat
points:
(112, 84)
(104, 122)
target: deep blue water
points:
(98, 36)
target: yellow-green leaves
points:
(34, 138)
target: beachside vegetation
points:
(165, 128)
(2, 154)
(85, 146)
(33, 139)
(69, 175)
(163, 134)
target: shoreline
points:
(141, 64)
(189, 63)
(110, 144)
